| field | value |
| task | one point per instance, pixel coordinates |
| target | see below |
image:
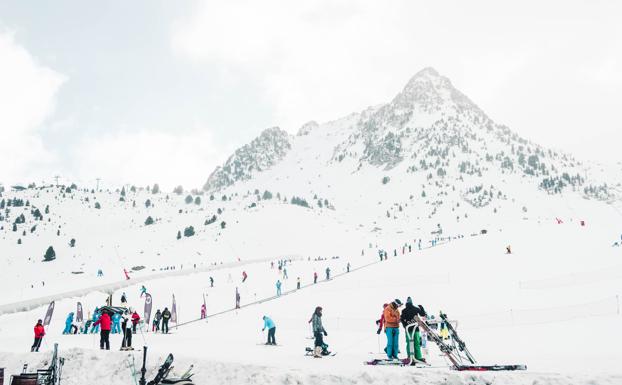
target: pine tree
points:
(197, 200)
(148, 203)
(223, 224)
(72, 243)
(50, 254)
(155, 189)
(189, 231)
(148, 221)
(97, 205)
(188, 199)
(178, 234)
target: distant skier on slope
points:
(278, 288)
(143, 291)
(244, 276)
(39, 333)
(298, 283)
(211, 281)
(315, 277)
(237, 298)
(127, 276)
(508, 249)
(407, 318)
(270, 325)
(327, 273)
(392, 328)
(203, 311)
(318, 332)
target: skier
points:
(95, 327)
(318, 332)
(407, 318)
(143, 291)
(203, 311)
(298, 283)
(166, 316)
(391, 328)
(380, 322)
(285, 273)
(116, 323)
(68, 323)
(348, 267)
(100, 273)
(269, 324)
(127, 276)
(315, 277)
(508, 250)
(211, 281)
(278, 288)
(126, 324)
(39, 333)
(327, 273)
(123, 299)
(156, 321)
(244, 276)
(104, 336)
(135, 321)
(237, 298)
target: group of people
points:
(390, 320)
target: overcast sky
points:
(148, 91)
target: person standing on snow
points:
(123, 299)
(318, 332)
(392, 328)
(116, 323)
(315, 277)
(407, 318)
(203, 311)
(135, 321)
(95, 327)
(269, 324)
(166, 316)
(211, 281)
(278, 288)
(126, 324)
(348, 267)
(237, 298)
(156, 321)
(127, 276)
(327, 273)
(68, 323)
(104, 335)
(39, 333)
(298, 283)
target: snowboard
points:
(309, 352)
(163, 371)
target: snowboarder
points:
(126, 324)
(116, 323)
(244, 276)
(123, 299)
(203, 311)
(156, 321)
(104, 335)
(68, 323)
(298, 283)
(269, 324)
(135, 321)
(278, 288)
(392, 328)
(327, 273)
(315, 277)
(143, 291)
(211, 281)
(407, 318)
(237, 298)
(39, 333)
(318, 332)
(380, 322)
(166, 316)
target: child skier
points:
(269, 324)
(39, 333)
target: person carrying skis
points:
(135, 321)
(104, 335)
(116, 323)
(156, 321)
(244, 276)
(392, 328)
(68, 323)
(269, 324)
(327, 273)
(380, 322)
(39, 333)
(143, 291)
(407, 318)
(318, 333)
(126, 324)
(166, 316)
(203, 311)
(278, 288)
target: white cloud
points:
(146, 157)
(27, 97)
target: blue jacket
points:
(116, 318)
(268, 323)
(278, 284)
(69, 319)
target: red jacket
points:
(135, 318)
(39, 331)
(104, 321)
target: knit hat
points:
(398, 302)
(409, 300)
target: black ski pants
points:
(104, 339)
(271, 336)
(165, 326)
(35, 346)
(127, 338)
(319, 339)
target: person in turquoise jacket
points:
(68, 323)
(269, 324)
(116, 323)
(96, 315)
(278, 288)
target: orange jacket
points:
(391, 317)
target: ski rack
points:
(454, 355)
